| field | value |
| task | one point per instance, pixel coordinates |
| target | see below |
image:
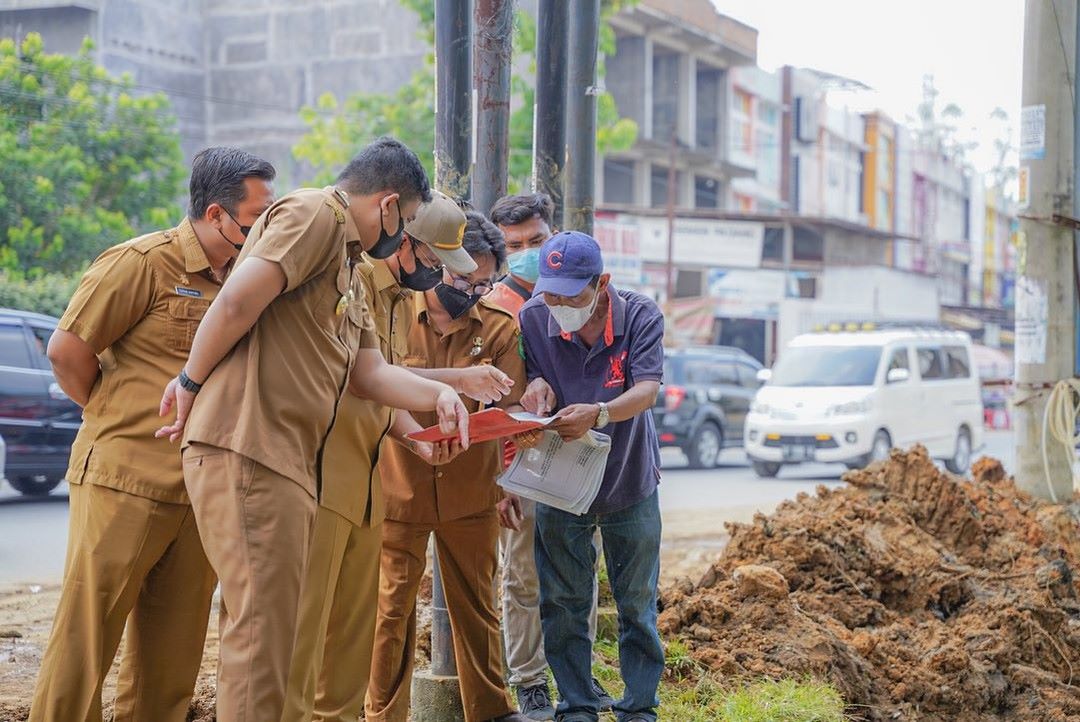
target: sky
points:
(973, 48)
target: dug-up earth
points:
(919, 595)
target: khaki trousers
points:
(521, 602)
(256, 527)
(336, 630)
(130, 560)
(467, 557)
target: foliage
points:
(47, 293)
(337, 130)
(784, 701)
(87, 164)
(938, 129)
(1004, 170)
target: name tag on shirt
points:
(191, 292)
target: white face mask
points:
(571, 319)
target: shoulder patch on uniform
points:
(150, 241)
(494, 306)
(339, 214)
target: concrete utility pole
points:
(494, 22)
(1046, 302)
(453, 88)
(549, 116)
(581, 115)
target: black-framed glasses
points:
(481, 288)
(244, 230)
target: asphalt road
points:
(33, 532)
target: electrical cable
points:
(1060, 422)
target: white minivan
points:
(850, 396)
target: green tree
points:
(337, 130)
(86, 163)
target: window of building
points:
(708, 108)
(706, 192)
(742, 124)
(744, 203)
(688, 283)
(772, 248)
(808, 245)
(659, 187)
(665, 95)
(618, 181)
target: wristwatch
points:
(187, 384)
(601, 416)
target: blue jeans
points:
(565, 559)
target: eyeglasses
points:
(481, 288)
(244, 230)
(425, 256)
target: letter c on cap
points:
(554, 259)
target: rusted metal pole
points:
(494, 23)
(549, 117)
(453, 88)
(581, 115)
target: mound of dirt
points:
(919, 595)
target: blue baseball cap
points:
(568, 262)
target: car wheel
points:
(879, 451)
(34, 485)
(766, 469)
(704, 449)
(961, 459)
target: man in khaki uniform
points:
(455, 500)
(335, 631)
(287, 334)
(134, 554)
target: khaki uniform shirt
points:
(274, 396)
(416, 491)
(137, 307)
(351, 485)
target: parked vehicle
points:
(3, 459)
(37, 419)
(851, 396)
(703, 403)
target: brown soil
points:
(917, 594)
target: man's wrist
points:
(187, 383)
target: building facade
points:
(236, 73)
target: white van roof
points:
(883, 337)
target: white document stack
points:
(562, 474)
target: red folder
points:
(483, 426)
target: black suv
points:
(37, 419)
(703, 403)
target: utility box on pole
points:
(1046, 280)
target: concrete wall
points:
(267, 59)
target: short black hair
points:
(218, 175)
(483, 237)
(386, 165)
(511, 210)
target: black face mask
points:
(457, 303)
(422, 278)
(388, 244)
(245, 230)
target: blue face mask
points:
(525, 264)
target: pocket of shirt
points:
(184, 317)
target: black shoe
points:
(606, 701)
(535, 702)
(510, 717)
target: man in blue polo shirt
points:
(595, 354)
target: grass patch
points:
(689, 694)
